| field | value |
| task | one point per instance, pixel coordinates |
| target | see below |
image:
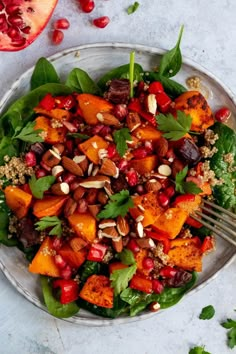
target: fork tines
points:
(224, 226)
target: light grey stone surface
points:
(209, 39)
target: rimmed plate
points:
(97, 59)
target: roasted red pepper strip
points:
(69, 290)
(208, 244)
(140, 283)
(163, 101)
(97, 252)
(163, 239)
(48, 102)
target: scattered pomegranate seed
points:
(57, 37)
(61, 23)
(157, 286)
(120, 111)
(140, 153)
(223, 114)
(148, 263)
(30, 159)
(66, 272)
(123, 165)
(97, 128)
(101, 22)
(148, 146)
(40, 173)
(69, 178)
(132, 178)
(87, 5)
(140, 189)
(59, 261)
(105, 131)
(170, 191)
(168, 272)
(57, 243)
(163, 199)
(111, 151)
(133, 246)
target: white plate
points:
(97, 59)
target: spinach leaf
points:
(8, 147)
(171, 87)
(172, 60)
(119, 307)
(80, 82)
(119, 73)
(54, 306)
(44, 73)
(21, 111)
(89, 268)
(226, 144)
(4, 218)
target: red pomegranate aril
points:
(155, 87)
(157, 286)
(123, 165)
(148, 263)
(26, 188)
(101, 22)
(57, 243)
(61, 23)
(133, 246)
(140, 189)
(148, 147)
(87, 5)
(82, 206)
(170, 191)
(12, 9)
(163, 199)
(97, 128)
(16, 20)
(111, 151)
(168, 272)
(70, 146)
(71, 127)
(69, 178)
(132, 178)
(57, 37)
(40, 173)
(120, 111)
(18, 42)
(140, 153)
(59, 261)
(105, 131)
(66, 273)
(1, 6)
(30, 159)
(222, 115)
(170, 155)
(74, 185)
(13, 32)
(26, 29)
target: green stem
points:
(131, 73)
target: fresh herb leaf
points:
(131, 73)
(185, 187)
(89, 268)
(172, 60)
(174, 129)
(121, 137)
(198, 350)
(50, 221)
(28, 133)
(40, 185)
(127, 257)
(207, 313)
(118, 204)
(79, 136)
(80, 82)
(44, 73)
(120, 278)
(229, 323)
(9, 148)
(132, 8)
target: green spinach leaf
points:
(44, 73)
(80, 82)
(4, 223)
(54, 306)
(8, 147)
(89, 268)
(226, 144)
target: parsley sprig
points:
(121, 137)
(185, 187)
(118, 204)
(28, 133)
(174, 128)
(230, 324)
(40, 185)
(198, 350)
(50, 222)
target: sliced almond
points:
(51, 158)
(102, 197)
(109, 168)
(108, 119)
(94, 209)
(79, 158)
(152, 185)
(146, 243)
(95, 182)
(122, 226)
(60, 188)
(117, 244)
(164, 170)
(79, 193)
(57, 171)
(133, 121)
(58, 148)
(70, 207)
(106, 223)
(139, 229)
(108, 189)
(72, 166)
(151, 103)
(110, 232)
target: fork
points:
(224, 228)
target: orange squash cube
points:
(147, 132)
(84, 225)
(171, 222)
(49, 206)
(74, 258)
(92, 146)
(18, 200)
(52, 135)
(144, 165)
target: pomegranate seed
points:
(168, 272)
(13, 32)
(1, 6)
(132, 178)
(12, 9)
(148, 263)
(70, 146)
(123, 165)
(163, 199)
(69, 178)
(140, 189)
(66, 273)
(61, 23)
(57, 243)
(157, 286)
(16, 20)
(155, 87)
(59, 261)
(140, 153)
(66, 102)
(120, 111)
(148, 147)
(40, 173)
(30, 159)
(105, 131)
(96, 130)
(170, 191)
(101, 22)
(170, 155)
(111, 151)
(82, 206)
(71, 127)
(87, 5)
(57, 37)
(26, 29)
(223, 114)
(76, 123)
(18, 42)
(133, 246)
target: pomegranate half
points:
(21, 21)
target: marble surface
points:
(209, 39)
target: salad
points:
(99, 182)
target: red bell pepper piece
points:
(135, 106)
(69, 290)
(48, 102)
(97, 252)
(66, 102)
(140, 283)
(155, 87)
(163, 101)
(208, 244)
(168, 272)
(192, 222)
(161, 238)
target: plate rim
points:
(100, 321)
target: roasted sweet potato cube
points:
(49, 206)
(148, 206)
(144, 165)
(84, 225)
(188, 202)
(171, 221)
(18, 200)
(92, 146)
(91, 105)
(195, 104)
(50, 135)
(147, 132)
(97, 291)
(77, 243)
(43, 262)
(55, 113)
(139, 257)
(74, 258)
(186, 254)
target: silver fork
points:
(225, 224)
